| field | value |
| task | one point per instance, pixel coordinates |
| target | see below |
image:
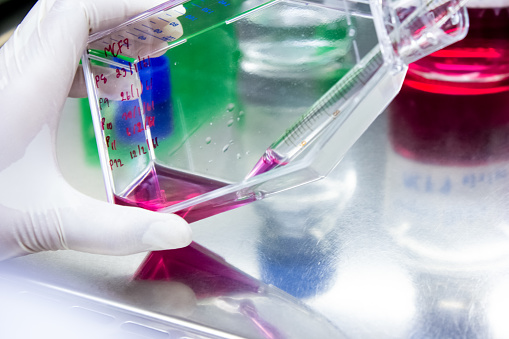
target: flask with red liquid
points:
(456, 101)
(447, 172)
(448, 166)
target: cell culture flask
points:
(202, 106)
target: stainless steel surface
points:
(385, 247)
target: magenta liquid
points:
(169, 187)
(208, 275)
(268, 161)
(454, 105)
(476, 65)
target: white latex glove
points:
(38, 210)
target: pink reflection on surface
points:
(206, 273)
(209, 276)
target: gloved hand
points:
(38, 210)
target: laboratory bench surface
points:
(408, 237)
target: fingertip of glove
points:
(168, 232)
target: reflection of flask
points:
(447, 204)
(231, 300)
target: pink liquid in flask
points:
(268, 161)
(164, 187)
(454, 105)
(478, 64)
(169, 187)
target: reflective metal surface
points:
(401, 240)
